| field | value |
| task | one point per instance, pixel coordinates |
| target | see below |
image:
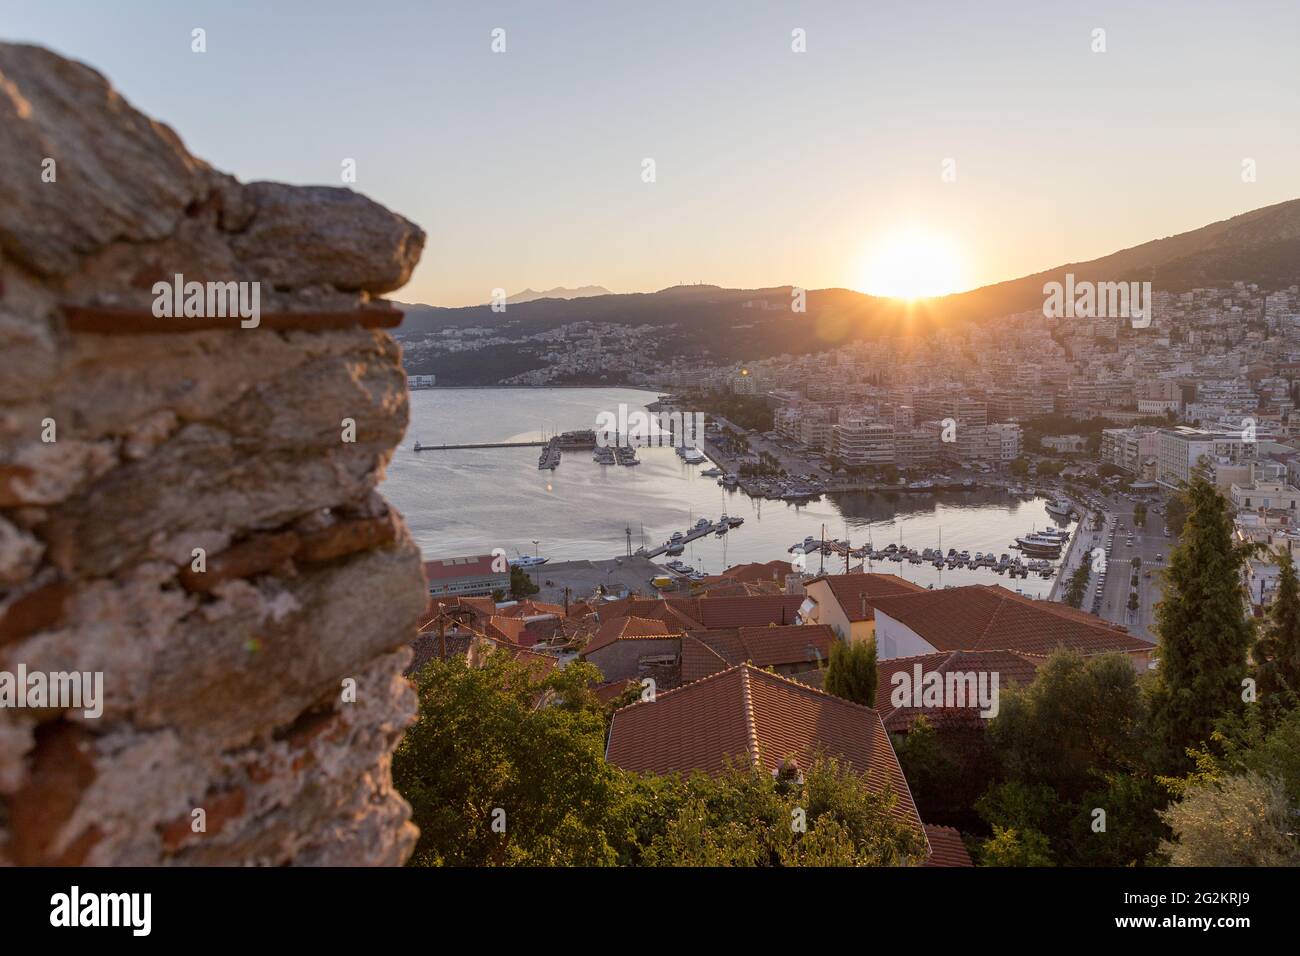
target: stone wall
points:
(183, 506)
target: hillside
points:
(733, 325)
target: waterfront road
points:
(1147, 543)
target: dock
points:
(550, 457)
(693, 534)
(489, 444)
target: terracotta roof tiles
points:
(989, 617)
(745, 714)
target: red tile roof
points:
(1011, 668)
(707, 652)
(509, 629)
(530, 608)
(749, 715)
(631, 629)
(678, 611)
(766, 571)
(449, 569)
(482, 607)
(755, 610)
(611, 690)
(989, 617)
(748, 610)
(858, 593)
(540, 665)
(946, 847)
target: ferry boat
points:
(713, 472)
(1038, 547)
(692, 456)
(527, 561)
(1059, 508)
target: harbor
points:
(582, 512)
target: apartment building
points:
(1265, 495)
(916, 448)
(860, 442)
(1183, 448)
(1129, 448)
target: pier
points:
(687, 537)
(489, 444)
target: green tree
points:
(483, 752)
(1204, 636)
(1018, 467)
(1070, 743)
(1010, 847)
(851, 673)
(747, 817)
(1140, 515)
(1277, 654)
(946, 772)
(1176, 514)
(521, 585)
(505, 766)
(1078, 588)
(1239, 821)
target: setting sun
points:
(913, 265)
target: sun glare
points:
(913, 265)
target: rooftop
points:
(747, 715)
(989, 617)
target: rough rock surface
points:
(188, 512)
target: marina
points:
(1005, 563)
(504, 501)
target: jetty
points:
(487, 444)
(682, 538)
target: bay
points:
(471, 501)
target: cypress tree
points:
(1277, 655)
(1204, 635)
(852, 672)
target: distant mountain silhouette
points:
(741, 324)
(559, 292)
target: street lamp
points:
(536, 553)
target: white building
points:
(1182, 448)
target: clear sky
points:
(816, 169)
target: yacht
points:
(1038, 547)
(1059, 508)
